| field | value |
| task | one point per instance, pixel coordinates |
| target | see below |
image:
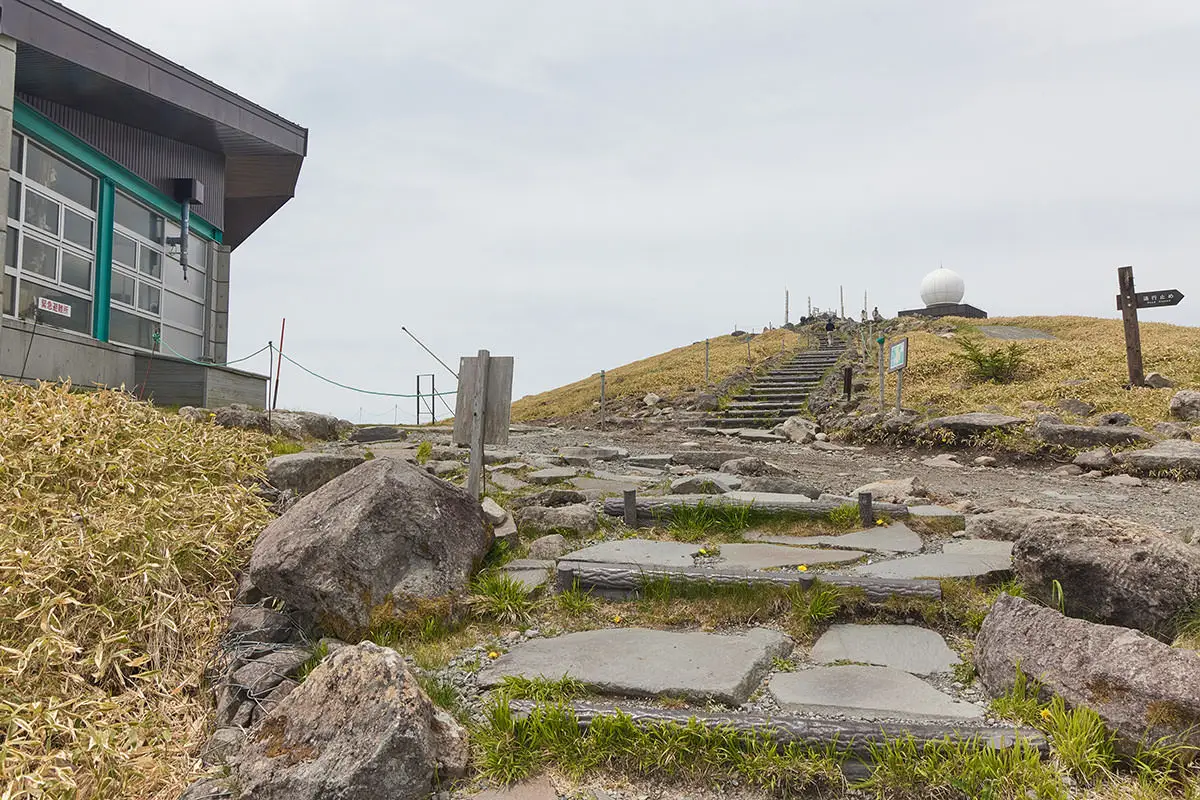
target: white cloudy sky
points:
(581, 183)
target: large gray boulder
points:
(975, 423)
(899, 490)
(577, 520)
(1143, 689)
(799, 430)
(1185, 405)
(384, 532)
(1010, 524)
(306, 472)
(1100, 458)
(301, 425)
(359, 728)
(241, 416)
(1111, 571)
(1089, 435)
(1173, 454)
(752, 466)
(706, 483)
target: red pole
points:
(279, 366)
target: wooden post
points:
(1133, 334)
(882, 377)
(847, 380)
(749, 362)
(631, 515)
(602, 399)
(866, 513)
(478, 419)
(706, 362)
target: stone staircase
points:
(781, 393)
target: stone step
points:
(852, 737)
(971, 558)
(745, 422)
(867, 693)
(654, 509)
(762, 404)
(780, 396)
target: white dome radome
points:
(942, 286)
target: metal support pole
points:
(899, 389)
(631, 515)
(279, 366)
(478, 413)
(866, 511)
(602, 399)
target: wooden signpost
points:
(482, 409)
(897, 363)
(1128, 302)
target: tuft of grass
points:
(123, 533)
(1080, 741)
(1188, 629)
(424, 452)
(285, 447)
(845, 517)
(445, 695)
(1021, 703)
(814, 607)
(319, 654)
(501, 598)
(509, 748)
(698, 522)
(575, 602)
(541, 690)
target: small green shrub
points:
(967, 769)
(444, 695)
(501, 598)
(845, 517)
(424, 452)
(541, 690)
(998, 365)
(575, 601)
(1080, 741)
(285, 447)
(1021, 703)
(694, 523)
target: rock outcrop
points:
(1185, 405)
(303, 473)
(577, 520)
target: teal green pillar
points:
(104, 250)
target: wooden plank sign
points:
(497, 410)
(1160, 299)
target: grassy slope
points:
(669, 374)
(1086, 349)
(121, 532)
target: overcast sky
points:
(582, 183)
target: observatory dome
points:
(942, 286)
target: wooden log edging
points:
(853, 737)
(631, 578)
(651, 510)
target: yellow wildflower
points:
(493, 655)
(617, 619)
(802, 568)
(1046, 714)
(879, 522)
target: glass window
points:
(52, 172)
(39, 257)
(149, 298)
(130, 329)
(151, 263)
(76, 271)
(181, 311)
(185, 344)
(123, 287)
(124, 251)
(10, 247)
(41, 212)
(10, 295)
(15, 155)
(193, 287)
(78, 315)
(77, 229)
(14, 199)
(141, 221)
(197, 253)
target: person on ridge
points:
(829, 327)
(875, 315)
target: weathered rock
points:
(222, 745)
(552, 475)
(550, 498)
(578, 520)
(1173, 430)
(263, 674)
(549, 547)
(706, 483)
(359, 728)
(652, 460)
(772, 556)
(583, 456)
(975, 423)
(893, 491)
(306, 472)
(1111, 571)
(301, 425)
(240, 416)
(378, 433)
(1127, 481)
(779, 485)
(800, 430)
(1114, 418)
(1185, 405)
(385, 531)
(443, 468)
(254, 624)
(1173, 454)
(1067, 471)
(944, 460)
(752, 466)
(707, 402)
(986, 461)
(507, 532)
(207, 789)
(492, 512)
(1101, 458)
(901, 421)
(1075, 407)
(1156, 380)
(1142, 689)
(652, 400)
(1089, 435)
(194, 414)
(754, 435)
(705, 459)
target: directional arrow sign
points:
(1167, 297)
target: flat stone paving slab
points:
(532, 574)
(642, 552)
(866, 693)
(553, 475)
(904, 647)
(637, 662)
(971, 558)
(895, 538)
(768, 556)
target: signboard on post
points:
(898, 355)
(482, 409)
(1167, 297)
(1128, 302)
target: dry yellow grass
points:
(668, 374)
(1086, 349)
(120, 532)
